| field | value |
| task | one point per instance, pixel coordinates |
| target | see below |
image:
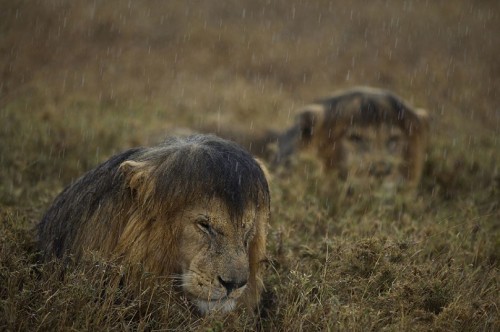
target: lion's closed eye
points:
(355, 138)
(358, 141)
(203, 223)
(393, 141)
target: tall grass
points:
(83, 80)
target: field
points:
(82, 80)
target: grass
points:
(81, 81)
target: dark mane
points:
(185, 168)
(76, 202)
(180, 171)
(369, 107)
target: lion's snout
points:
(380, 169)
(234, 272)
(231, 284)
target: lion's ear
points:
(135, 174)
(309, 120)
(423, 118)
(264, 169)
(422, 114)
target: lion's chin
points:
(220, 306)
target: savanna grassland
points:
(82, 80)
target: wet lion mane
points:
(114, 207)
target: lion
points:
(363, 135)
(194, 208)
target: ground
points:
(80, 81)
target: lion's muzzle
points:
(232, 284)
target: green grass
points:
(78, 84)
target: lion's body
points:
(364, 135)
(195, 207)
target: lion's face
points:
(373, 154)
(214, 255)
(369, 137)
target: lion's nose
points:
(232, 284)
(380, 169)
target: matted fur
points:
(140, 207)
(324, 123)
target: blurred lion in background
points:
(366, 136)
(194, 208)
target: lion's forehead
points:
(379, 131)
(216, 211)
(238, 226)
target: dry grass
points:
(82, 80)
